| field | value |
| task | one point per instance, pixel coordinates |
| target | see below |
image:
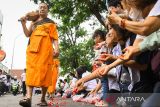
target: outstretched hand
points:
(104, 70)
(79, 83)
(107, 57)
(130, 51)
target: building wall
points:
(16, 72)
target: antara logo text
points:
(130, 99)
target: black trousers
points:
(24, 88)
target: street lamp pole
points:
(1, 22)
(13, 50)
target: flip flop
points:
(25, 102)
(102, 104)
(42, 104)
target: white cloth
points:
(90, 84)
(23, 76)
(155, 10)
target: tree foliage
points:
(76, 11)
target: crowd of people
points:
(130, 63)
(127, 56)
(5, 83)
(9, 84)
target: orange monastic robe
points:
(51, 88)
(39, 61)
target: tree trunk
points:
(94, 10)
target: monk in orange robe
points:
(51, 89)
(39, 56)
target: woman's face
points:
(43, 9)
(97, 39)
(111, 38)
(117, 9)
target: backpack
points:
(124, 79)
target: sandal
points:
(44, 103)
(102, 104)
(25, 102)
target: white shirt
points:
(15, 82)
(73, 82)
(66, 86)
(155, 10)
(62, 85)
(23, 76)
(90, 84)
(135, 76)
(4, 78)
(112, 81)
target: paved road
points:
(13, 101)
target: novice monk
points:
(51, 89)
(42, 34)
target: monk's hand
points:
(56, 53)
(23, 20)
